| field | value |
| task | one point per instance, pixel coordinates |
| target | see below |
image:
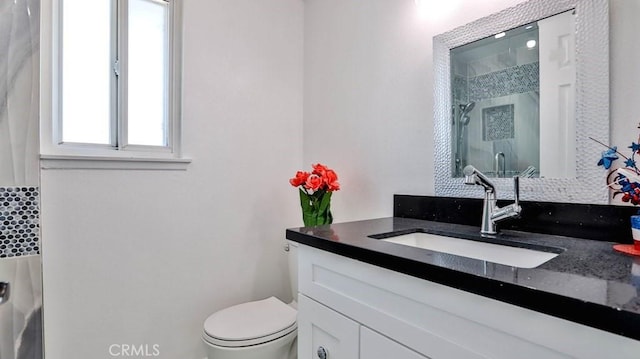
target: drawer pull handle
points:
(322, 353)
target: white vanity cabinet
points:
(326, 334)
(324, 331)
(354, 310)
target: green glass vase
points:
(316, 208)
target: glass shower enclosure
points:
(20, 261)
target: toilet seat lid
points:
(250, 320)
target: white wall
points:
(143, 257)
(624, 74)
(368, 107)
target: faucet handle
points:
(516, 190)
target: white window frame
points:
(56, 154)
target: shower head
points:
(466, 108)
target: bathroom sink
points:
(510, 254)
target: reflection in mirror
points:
(513, 101)
(505, 110)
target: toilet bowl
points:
(262, 329)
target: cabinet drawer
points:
(376, 346)
(320, 328)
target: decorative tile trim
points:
(19, 221)
(513, 80)
(517, 79)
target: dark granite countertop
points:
(588, 283)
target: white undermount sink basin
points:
(496, 253)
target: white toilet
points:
(264, 329)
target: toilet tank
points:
(292, 257)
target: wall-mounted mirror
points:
(519, 93)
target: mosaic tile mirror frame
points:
(591, 100)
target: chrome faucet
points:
(491, 213)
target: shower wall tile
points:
(19, 221)
(19, 91)
(21, 315)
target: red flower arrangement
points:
(315, 189)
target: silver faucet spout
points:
(491, 213)
(472, 176)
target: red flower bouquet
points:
(315, 189)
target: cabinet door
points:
(376, 346)
(324, 333)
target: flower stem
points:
(611, 148)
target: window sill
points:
(72, 162)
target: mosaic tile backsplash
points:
(19, 221)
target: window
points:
(116, 77)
